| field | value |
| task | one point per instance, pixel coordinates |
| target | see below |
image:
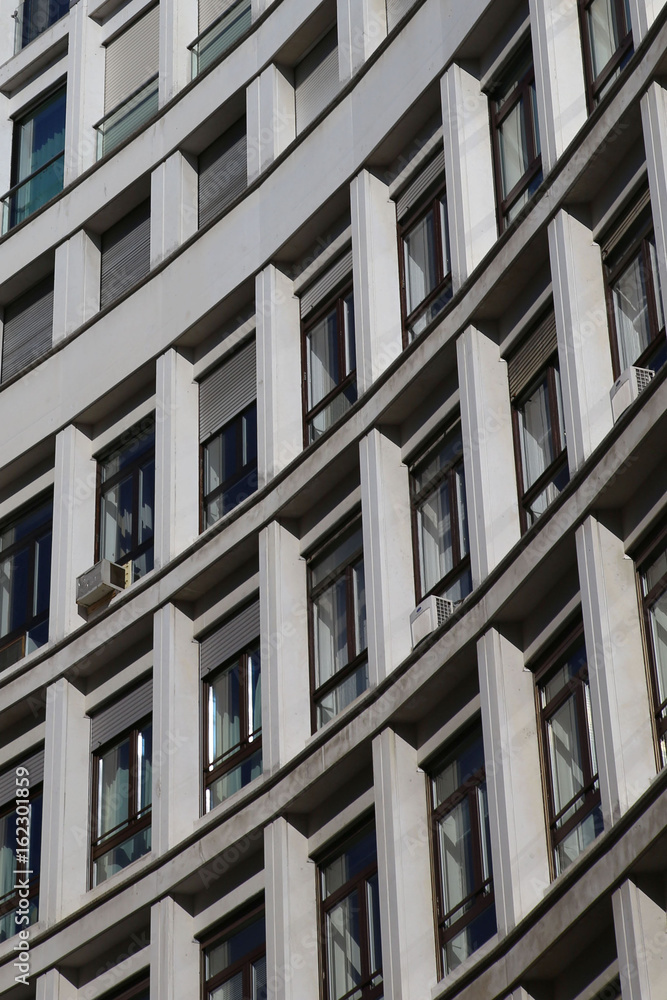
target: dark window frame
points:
(244, 964)
(21, 632)
(137, 987)
(594, 85)
(334, 301)
(231, 481)
(16, 181)
(644, 557)
(11, 900)
(431, 202)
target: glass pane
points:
(513, 148)
(42, 571)
(603, 33)
(359, 594)
(259, 979)
(342, 695)
(120, 857)
(656, 281)
(146, 500)
(224, 713)
(116, 521)
(461, 508)
(237, 777)
(113, 788)
(129, 451)
(230, 990)
(652, 576)
(343, 941)
(469, 939)
(483, 813)
(373, 909)
(41, 135)
(360, 852)
(572, 667)
(467, 760)
(14, 591)
(254, 693)
(342, 549)
(332, 412)
(35, 849)
(28, 524)
(436, 554)
(537, 451)
(249, 434)
(631, 312)
(578, 839)
(658, 620)
(322, 354)
(144, 768)
(447, 452)
(565, 756)
(245, 940)
(330, 626)
(222, 35)
(456, 858)
(7, 852)
(546, 497)
(444, 232)
(419, 257)
(350, 345)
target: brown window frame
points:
(594, 85)
(444, 283)
(238, 477)
(11, 900)
(244, 964)
(646, 555)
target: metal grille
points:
(644, 376)
(230, 638)
(223, 172)
(131, 59)
(27, 329)
(532, 355)
(126, 253)
(444, 610)
(121, 714)
(316, 80)
(227, 390)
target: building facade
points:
(333, 538)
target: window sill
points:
(464, 967)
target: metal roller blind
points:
(395, 11)
(27, 328)
(532, 355)
(230, 638)
(209, 10)
(223, 172)
(122, 714)
(35, 766)
(227, 390)
(433, 172)
(126, 253)
(614, 236)
(316, 80)
(131, 59)
(326, 283)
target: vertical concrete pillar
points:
(361, 28)
(174, 210)
(291, 913)
(377, 303)
(284, 630)
(471, 206)
(488, 452)
(584, 354)
(279, 404)
(176, 456)
(175, 954)
(52, 985)
(641, 940)
(388, 565)
(514, 782)
(74, 503)
(76, 283)
(85, 90)
(642, 15)
(176, 725)
(404, 869)
(178, 27)
(66, 808)
(654, 124)
(619, 695)
(559, 75)
(271, 118)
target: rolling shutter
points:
(326, 283)
(27, 328)
(35, 766)
(126, 253)
(433, 172)
(533, 354)
(223, 172)
(227, 390)
(316, 80)
(395, 11)
(615, 235)
(230, 638)
(131, 59)
(122, 714)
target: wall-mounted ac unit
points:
(102, 580)
(627, 387)
(429, 615)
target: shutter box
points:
(121, 714)
(131, 59)
(230, 638)
(227, 390)
(316, 81)
(126, 253)
(27, 329)
(430, 175)
(35, 766)
(326, 283)
(223, 172)
(533, 355)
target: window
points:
(230, 667)
(350, 915)
(339, 660)
(316, 80)
(25, 582)
(653, 589)
(607, 44)
(516, 138)
(440, 520)
(20, 843)
(35, 16)
(223, 171)
(221, 24)
(235, 960)
(571, 770)
(126, 254)
(121, 737)
(127, 501)
(634, 302)
(27, 329)
(38, 160)
(228, 434)
(330, 366)
(539, 435)
(462, 852)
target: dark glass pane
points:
(237, 777)
(358, 854)
(42, 571)
(322, 358)
(466, 760)
(35, 836)
(244, 941)
(40, 135)
(129, 450)
(123, 855)
(14, 591)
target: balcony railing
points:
(32, 192)
(220, 36)
(35, 16)
(128, 117)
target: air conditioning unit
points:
(627, 387)
(428, 616)
(102, 580)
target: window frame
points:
(594, 85)
(32, 622)
(431, 202)
(16, 181)
(231, 481)
(244, 964)
(11, 901)
(336, 301)
(644, 557)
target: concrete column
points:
(66, 809)
(74, 508)
(654, 124)
(404, 869)
(175, 954)
(52, 985)
(488, 452)
(584, 354)
(271, 118)
(291, 914)
(619, 694)
(279, 402)
(176, 728)
(76, 283)
(176, 456)
(559, 75)
(514, 782)
(641, 940)
(361, 28)
(377, 302)
(85, 91)
(471, 205)
(388, 565)
(174, 208)
(178, 27)
(642, 15)
(284, 630)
